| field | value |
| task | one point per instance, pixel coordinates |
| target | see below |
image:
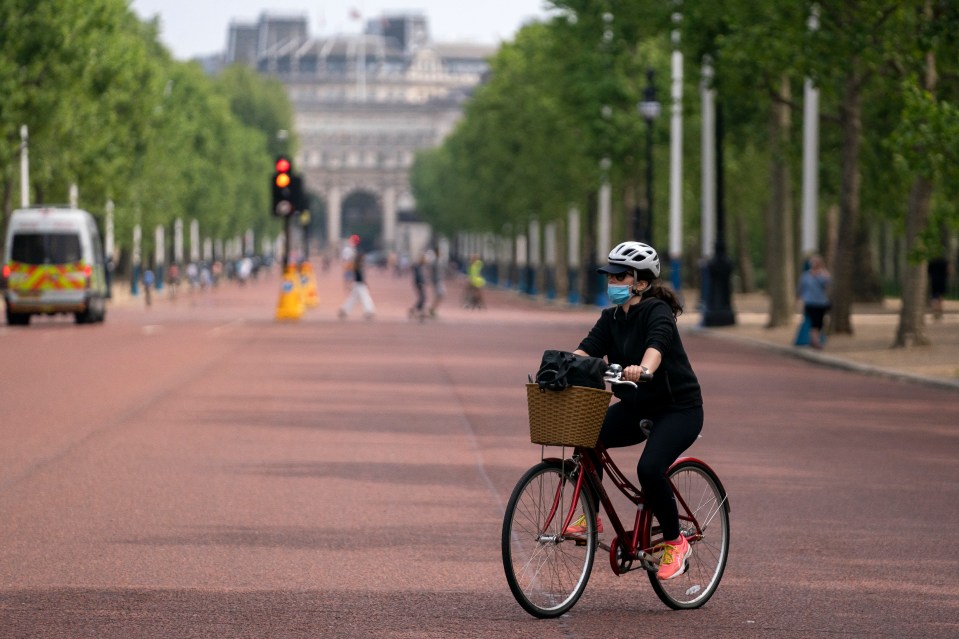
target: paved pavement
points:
(868, 350)
(225, 481)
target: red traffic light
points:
(282, 165)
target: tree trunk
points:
(588, 261)
(747, 276)
(780, 273)
(832, 234)
(912, 329)
(850, 115)
(868, 283)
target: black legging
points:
(673, 431)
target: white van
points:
(54, 265)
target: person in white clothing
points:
(358, 291)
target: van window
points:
(46, 248)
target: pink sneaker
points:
(578, 527)
(673, 562)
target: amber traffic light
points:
(284, 202)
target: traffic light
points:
(284, 200)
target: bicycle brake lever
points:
(616, 379)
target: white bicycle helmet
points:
(640, 257)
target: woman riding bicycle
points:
(640, 334)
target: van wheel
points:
(95, 312)
(17, 319)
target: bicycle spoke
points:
(707, 508)
(546, 573)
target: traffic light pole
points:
(286, 241)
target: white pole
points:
(605, 215)
(810, 157)
(549, 245)
(572, 217)
(24, 166)
(159, 249)
(572, 254)
(109, 231)
(709, 160)
(194, 241)
(74, 196)
(522, 246)
(535, 244)
(178, 241)
(676, 161)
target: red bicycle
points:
(550, 536)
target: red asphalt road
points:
(198, 469)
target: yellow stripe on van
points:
(47, 277)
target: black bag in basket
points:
(560, 369)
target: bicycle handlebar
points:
(614, 375)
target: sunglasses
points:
(619, 277)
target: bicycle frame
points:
(626, 546)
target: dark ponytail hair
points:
(657, 290)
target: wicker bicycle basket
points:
(570, 417)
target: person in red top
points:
(639, 333)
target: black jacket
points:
(622, 338)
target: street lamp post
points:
(650, 109)
(718, 310)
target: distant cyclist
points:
(639, 333)
(475, 284)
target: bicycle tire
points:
(547, 572)
(704, 494)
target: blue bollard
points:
(802, 335)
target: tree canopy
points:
(563, 95)
(109, 110)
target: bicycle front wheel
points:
(705, 523)
(546, 567)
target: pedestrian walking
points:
(193, 275)
(435, 269)
(358, 290)
(348, 259)
(419, 286)
(173, 279)
(813, 294)
(148, 281)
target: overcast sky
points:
(199, 27)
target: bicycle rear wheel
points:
(706, 500)
(547, 570)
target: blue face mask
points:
(618, 293)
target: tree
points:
(924, 143)
(109, 110)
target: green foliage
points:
(108, 109)
(533, 136)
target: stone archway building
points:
(363, 106)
